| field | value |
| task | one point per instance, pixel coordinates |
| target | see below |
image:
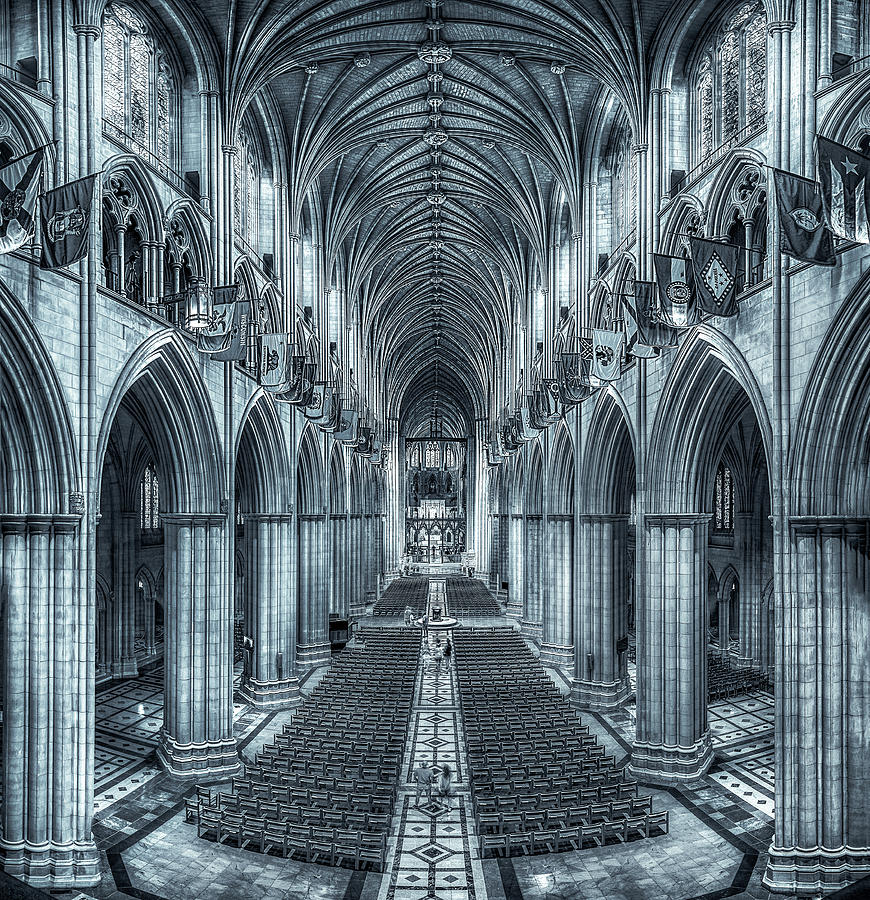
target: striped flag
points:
(844, 175)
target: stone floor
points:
(716, 846)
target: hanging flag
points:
(715, 268)
(607, 347)
(364, 442)
(347, 429)
(274, 361)
(651, 330)
(844, 175)
(528, 432)
(217, 333)
(674, 277)
(803, 232)
(377, 455)
(19, 187)
(572, 376)
(65, 222)
(319, 409)
(236, 349)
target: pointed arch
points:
(740, 186)
(829, 466)
(130, 192)
(608, 480)
(39, 460)
(534, 500)
(309, 474)
(163, 391)
(189, 215)
(263, 471)
(707, 391)
(337, 482)
(560, 481)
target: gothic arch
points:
(309, 474)
(516, 486)
(188, 214)
(740, 186)
(18, 122)
(830, 460)
(608, 464)
(162, 387)
(40, 464)
(560, 482)
(848, 120)
(262, 464)
(337, 483)
(534, 499)
(686, 216)
(128, 190)
(707, 391)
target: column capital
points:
(677, 519)
(38, 523)
(279, 518)
(193, 519)
(87, 29)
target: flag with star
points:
(19, 187)
(715, 267)
(803, 232)
(844, 175)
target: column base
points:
(310, 655)
(210, 758)
(601, 696)
(125, 668)
(533, 630)
(666, 765)
(814, 871)
(51, 865)
(514, 610)
(270, 694)
(558, 655)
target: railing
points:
(128, 142)
(15, 74)
(845, 69)
(747, 133)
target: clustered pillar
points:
(516, 562)
(125, 552)
(822, 783)
(600, 664)
(197, 736)
(533, 610)
(313, 637)
(673, 741)
(47, 706)
(557, 640)
(270, 679)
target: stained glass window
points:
(731, 79)
(138, 89)
(246, 190)
(723, 500)
(149, 505)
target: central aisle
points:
(433, 852)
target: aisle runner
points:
(435, 854)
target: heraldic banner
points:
(66, 222)
(19, 186)
(844, 175)
(803, 232)
(715, 267)
(607, 352)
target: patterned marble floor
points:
(433, 852)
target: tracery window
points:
(246, 195)
(731, 79)
(149, 499)
(433, 457)
(139, 94)
(723, 500)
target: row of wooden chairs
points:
(574, 837)
(359, 795)
(504, 821)
(468, 597)
(410, 592)
(329, 846)
(558, 799)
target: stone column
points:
(822, 834)
(125, 548)
(724, 603)
(197, 736)
(557, 642)
(533, 609)
(338, 565)
(48, 674)
(600, 665)
(270, 615)
(673, 741)
(748, 532)
(495, 557)
(516, 587)
(369, 561)
(357, 593)
(312, 648)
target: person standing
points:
(423, 777)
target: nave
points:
(519, 826)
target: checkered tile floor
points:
(433, 850)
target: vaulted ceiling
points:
(439, 145)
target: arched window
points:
(246, 171)
(149, 499)
(139, 94)
(723, 501)
(731, 79)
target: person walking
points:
(423, 776)
(444, 785)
